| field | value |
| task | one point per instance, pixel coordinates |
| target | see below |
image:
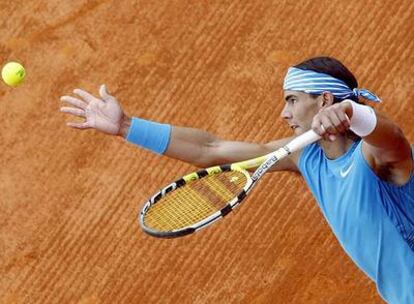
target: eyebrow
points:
(289, 96)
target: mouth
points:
(293, 127)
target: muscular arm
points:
(385, 148)
(388, 151)
(203, 149)
(193, 146)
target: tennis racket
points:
(201, 198)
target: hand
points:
(333, 120)
(105, 114)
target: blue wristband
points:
(149, 135)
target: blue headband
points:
(312, 82)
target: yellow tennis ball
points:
(13, 74)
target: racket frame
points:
(264, 163)
(189, 179)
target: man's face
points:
(299, 110)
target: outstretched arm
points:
(190, 145)
(205, 149)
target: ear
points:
(326, 99)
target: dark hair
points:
(333, 67)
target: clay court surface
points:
(69, 199)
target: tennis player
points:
(360, 173)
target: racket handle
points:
(302, 141)
(294, 145)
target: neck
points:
(336, 148)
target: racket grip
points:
(302, 141)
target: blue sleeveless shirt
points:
(373, 220)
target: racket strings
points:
(195, 201)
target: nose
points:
(286, 113)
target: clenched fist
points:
(333, 120)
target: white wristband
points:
(364, 119)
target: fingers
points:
(104, 93)
(317, 126)
(80, 106)
(335, 125)
(340, 120)
(329, 128)
(73, 111)
(78, 125)
(74, 102)
(330, 122)
(345, 121)
(87, 97)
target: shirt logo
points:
(346, 172)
